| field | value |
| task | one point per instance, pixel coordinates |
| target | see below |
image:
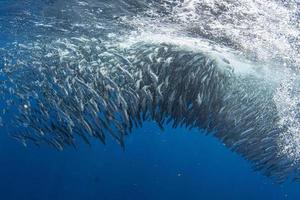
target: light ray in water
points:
(95, 68)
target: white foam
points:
(265, 30)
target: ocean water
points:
(175, 164)
(37, 162)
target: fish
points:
(109, 91)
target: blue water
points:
(175, 164)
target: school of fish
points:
(80, 74)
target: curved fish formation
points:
(117, 91)
(67, 86)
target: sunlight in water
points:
(87, 69)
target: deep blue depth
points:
(175, 164)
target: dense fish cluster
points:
(72, 77)
(87, 91)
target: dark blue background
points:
(175, 164)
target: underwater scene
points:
(149, 99)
